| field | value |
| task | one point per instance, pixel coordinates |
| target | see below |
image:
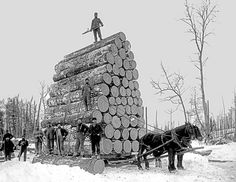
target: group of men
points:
(59, 135)
(8, 146)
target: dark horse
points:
(177, 140)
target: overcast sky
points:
(35, 35)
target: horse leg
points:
(180, 161)
(171, 157)
(146, 162)
(141, 149)
(158, 162)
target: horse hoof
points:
(140, 168)
(180, 168)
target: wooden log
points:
(138, 93)
(134, 109)
(118, 42)
(116, 122)
(130, 101)
(115, 69)
(129, 74)
(112, 110)
(103, 103)
(135, 74)
(106, 41)
(107, 118)
(114, 91)
(140, 112)
(133, 93)
(136, 84)
(122, 91)
(135, 146)
(127, 146)
(126, 45)
(118, 100)
(107, 78)
(121, 72)
(118, 61)
(117, 146)
(133, 64)
(128, 92)
(125, 134)
(133, 133)
(125, 82)
(109, 131)
(109, 68)
(130, 55)
(140, 101)
(120, 110)
(125, 121)
(131, 85)
(116, 80)
(106, 146)
(98, 115)
(127, 64)
(127, 109)
(124, 101)
(104, 89)
(117, 134)
(110, 58)
(114, 49)
(133, 122)
(135, 100)
(141, 132)
(112, 100)
(122, 54)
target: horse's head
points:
(197, 132)
(189, 129)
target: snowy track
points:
(197, 169)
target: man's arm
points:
(100, 22)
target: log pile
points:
(115, 101)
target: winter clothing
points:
(8, 148)
(95, 137)
(61, 134)
(95, 26)
(81, 132)
(38, 137)
(7, 135)
(50, 135)
(23, 143)
(86, 95)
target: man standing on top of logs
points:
(95, 137)
(61, 134)
(86, 94)
(95, 27)
(81, 131)
(50, 134)
(38, 137)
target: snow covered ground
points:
(197, 168)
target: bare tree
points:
(173, 88)
(198, 20)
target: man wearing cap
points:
(95, 137)
(50, 135)
(23, 143)
(86, 94)
(81, 131)
(61, 134)
(95, 27)
(38, 139)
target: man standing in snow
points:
(61, 134)
(95, 27)
(8, 148)
(23, 143)
(38, 137)
(81, 132)
(7, 135)
(95, 137)
(50, 135)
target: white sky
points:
(35, 35)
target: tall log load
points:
(115, 99)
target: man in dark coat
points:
(8, 148)
(86, 94)
(95, 27)
(50, 135)
(7, 135)
(23, 143)
(38, 139)
(81, 132)
(95, 137)
(61, 134)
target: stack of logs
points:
(115, 101)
